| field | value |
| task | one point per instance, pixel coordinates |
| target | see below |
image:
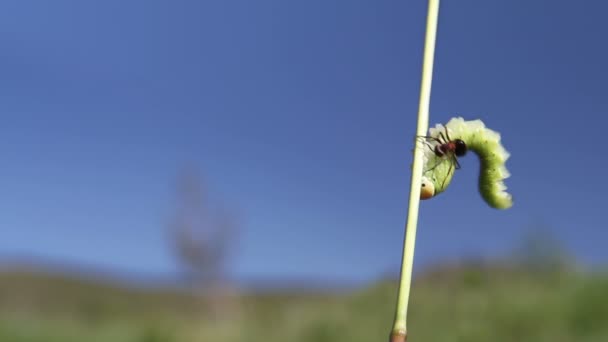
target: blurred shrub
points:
(588, 314)
(155, 334)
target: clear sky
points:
(301, 114)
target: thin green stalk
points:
(399, 332)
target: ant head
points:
(461, 148)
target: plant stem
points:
(399, 332)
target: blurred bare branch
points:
(203, 236)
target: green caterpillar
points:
(442, 147)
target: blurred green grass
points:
(460, 303)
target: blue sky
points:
(300, 114)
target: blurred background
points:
(239, 171)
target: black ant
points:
(446, 149)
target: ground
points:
(464, 303)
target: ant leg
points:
(430, 146)
(433, 168)
(456, 162)
(446, 133)
(447, 176)
(444, 139)
(428, 137)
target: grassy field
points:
(451, 304)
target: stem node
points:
(398, 336)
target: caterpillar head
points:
(427, 189)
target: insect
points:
(445, 149)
